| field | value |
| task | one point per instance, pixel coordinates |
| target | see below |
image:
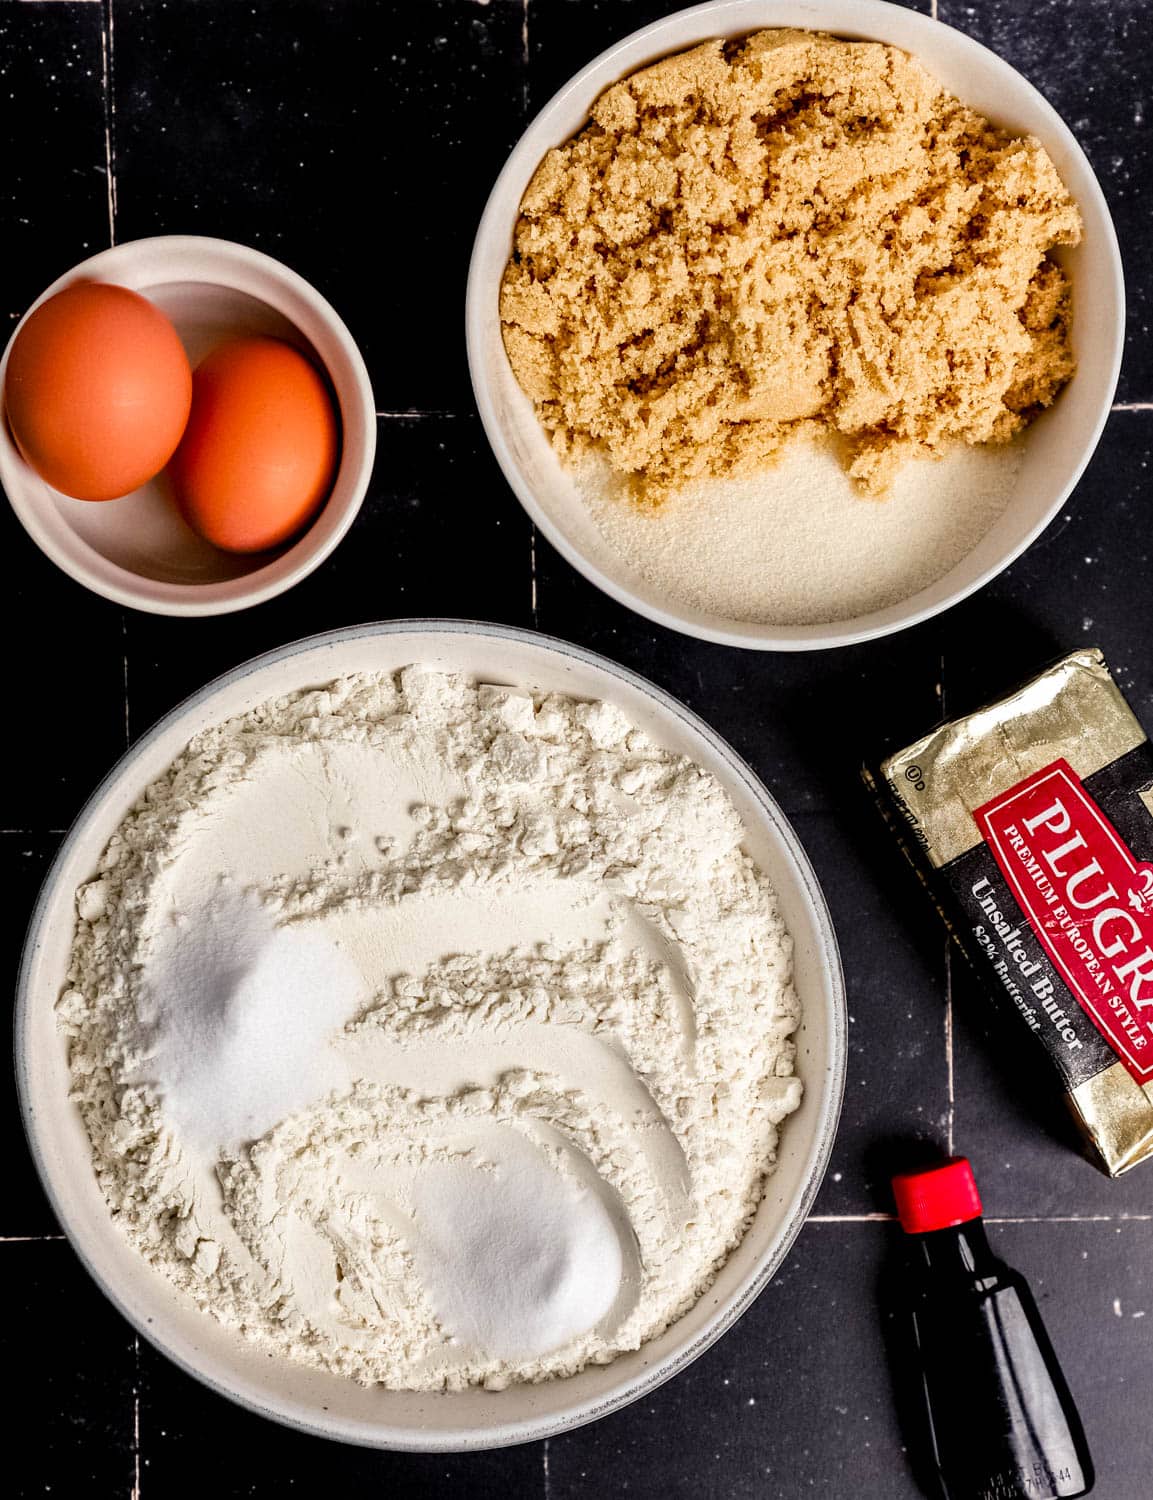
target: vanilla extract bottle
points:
(1002, 1422)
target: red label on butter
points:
(1087, 899)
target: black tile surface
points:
(356, 140)
(797, 1399)
(1090, 60)
(1101, 1333)
(343, 137)
(53, 198)
(70, 666)
(71, 1417)
(897, 1092)
(251, 1457)
(566, 34)
(1088, 580)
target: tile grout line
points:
(135, 1494)
(544, 1466)
(879, 1218)
(107, 64)
(950, 1079)
(416, 414)
(124, 657)
(29, 1239)
(532, 567)
(33, 832)
(1072, 1219)
(524, 57)
(526, 61)
(951, 1114)
(851, 1219)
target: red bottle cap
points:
(938, 1198)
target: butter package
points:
(1031, 823)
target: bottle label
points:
(1087, 898)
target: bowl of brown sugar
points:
(792, 325)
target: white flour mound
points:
(432, 1033)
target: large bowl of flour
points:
(431, 1036)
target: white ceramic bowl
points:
(138, 550)
(326, 1404)
(1057, 447)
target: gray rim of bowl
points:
(528, 1430)
(476, 317)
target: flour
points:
(432, 1033)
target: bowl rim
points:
(121, 585)
(831, 1084)
(733, 17)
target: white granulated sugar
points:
(238, 1014)
(517, 1260)
(432, 1033)
(798, 544)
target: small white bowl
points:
(327, 1404)
(138, 550)
(1057, 446)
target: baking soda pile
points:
(432, 1033)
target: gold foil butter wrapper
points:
(1031, 824)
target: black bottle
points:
(1003, 1424)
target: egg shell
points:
(259, 454)
(98, 391)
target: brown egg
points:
(98, 391)
(259, 453)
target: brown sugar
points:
(752, 237)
